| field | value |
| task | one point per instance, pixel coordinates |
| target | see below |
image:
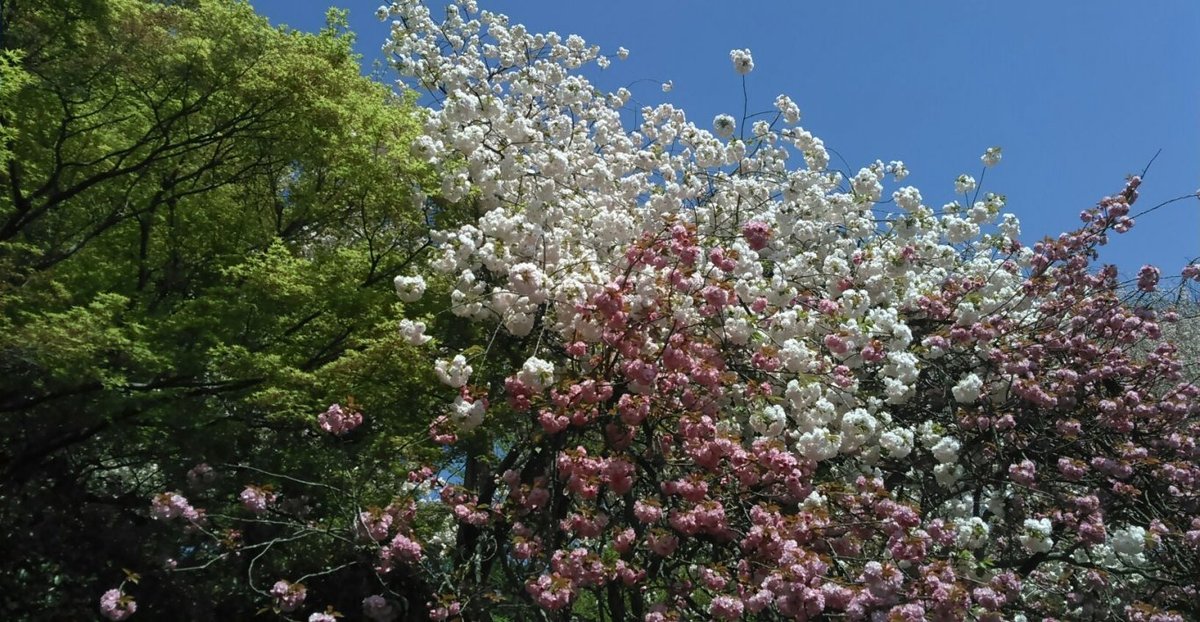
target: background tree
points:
(1185, 333)
(200, 219)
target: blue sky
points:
(1078, 94)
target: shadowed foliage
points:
(200, 216)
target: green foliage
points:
(200, 217)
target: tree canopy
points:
(645, 368)
(200, 220)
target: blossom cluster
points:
(769, 386)
(117, 605)
(288, 596)
(257, 499)
(338, 420)
(723, 380)
(169, 505)
(379, 609)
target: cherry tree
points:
(711, 377)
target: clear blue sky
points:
(1078, 93)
